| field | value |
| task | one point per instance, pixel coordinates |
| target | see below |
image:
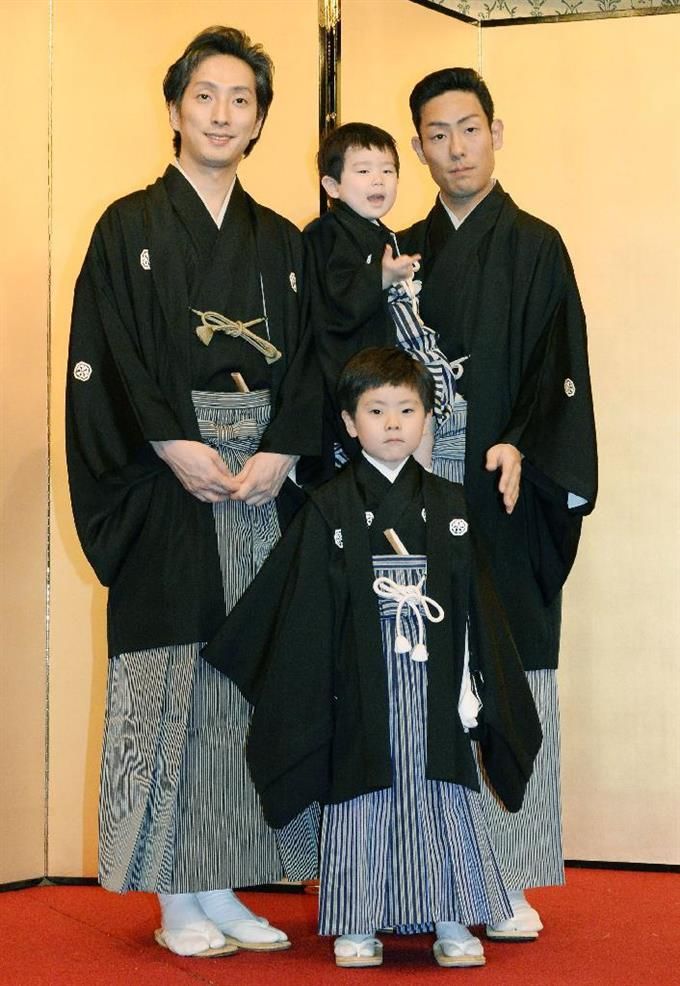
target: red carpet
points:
(605, 928)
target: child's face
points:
(368, 183)
(389, 423)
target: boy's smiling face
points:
(368, 183)
(389, 423)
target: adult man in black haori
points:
(188, 405)
(498, 287)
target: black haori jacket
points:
(348, 306)
(129, 383)
(304, 646)
(501, 289)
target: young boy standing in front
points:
(361, 289)
(356, 709)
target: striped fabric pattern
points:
(528, 843)
(448, 452)
(421, 342)
(178, 811)
(418, 852)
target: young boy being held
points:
(356, 709)
(361, 289)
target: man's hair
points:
(384, 366)
(331, 157)
(220, 40)
(449, 80)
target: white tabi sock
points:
(527, 916)
(186, 930)
(234, 919)
(348, 945)
(462, 941)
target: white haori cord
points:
(413, 597)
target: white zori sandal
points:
(524, 925)
(357, 954)
(451, 953)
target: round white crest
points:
(369, 518)
(145, 260)
(337, 537)
(569, 387)
(458, 526)
(423, 515)
(293, 281)
(82, 371)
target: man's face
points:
(368, 183)
(458, 146)
(389, 423)
(217, 116)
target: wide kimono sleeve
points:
(552, 421)
(509, 731)
(278, 646)
(113, 407)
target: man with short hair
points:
(498, 287)
(189, 402)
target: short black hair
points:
(383, 366)
(449, 80)
(331, 157)
(220, 40)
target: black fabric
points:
(348, 307)
(304, 646)
(148, 539)
(501, 289)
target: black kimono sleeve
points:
(113, 408)
(278, 645)
(552, 421)
(509, 731)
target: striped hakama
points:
(418, 852)
(527, 843)
(178, 811)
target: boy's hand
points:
(395, 269)
(509, 460)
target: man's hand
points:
(395, 269)
(262, 477)
(199, 469)
(509, 460)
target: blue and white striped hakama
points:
(417, 852)
(527, 843)
(178, 811)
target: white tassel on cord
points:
(412, 596)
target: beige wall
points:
(23, 435)
(593, 150)
(592, 146)
(387, 45)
